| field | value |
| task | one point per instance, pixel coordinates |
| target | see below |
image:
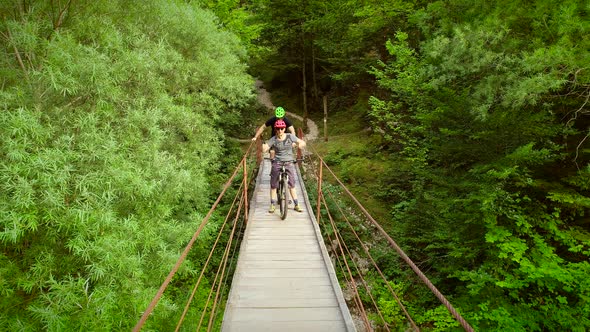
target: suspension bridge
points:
(284, 279)
(280, 273)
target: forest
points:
(117, 127)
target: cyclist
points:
(283, 145)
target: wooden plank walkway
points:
(284, 279)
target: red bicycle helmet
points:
(280, 124)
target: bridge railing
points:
(338, 224)
(340, 214)
(240, 181)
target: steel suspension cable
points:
(403, 255)
(182, 257)
(234, 251)
(341, 239)
(208, 299)
(366, 250)
(189, 301)
(349, 279)
(392, 292)
(217, 279)
(356, 266)
(355, 288)
(243, 198)
(242, 225)
(339, 259)
(225, 260)
(341, 267)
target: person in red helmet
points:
(283, 145)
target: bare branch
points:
(579, 110)
(17, 53)
(60, 18)
(577, 150)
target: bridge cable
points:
(348, 276)
(340, 241)
(349, 279)
(405, 257)
(189, 301)
(239, 191)
(211, 290)
(219, 268)
(376, 267)
(224, 263)
(240, 231)
(393, 293)
(366, 250)
(243, 197)
(182, 257)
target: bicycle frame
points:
(282, 190)
(283, 187)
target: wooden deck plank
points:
(279, 249)
(262, 256)
(307, 241)
(289, 302)
(317, 326)
(285, 273)
(295, 282)
(279, 291)
(287, 314)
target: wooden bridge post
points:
(326, 118)
(258, 151)
(245, 192)
(319, 190)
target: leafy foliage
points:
(480, 118)
(110, 142)
(488, 118)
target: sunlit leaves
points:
(489, 98)
(108, 153)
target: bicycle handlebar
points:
(284, 161)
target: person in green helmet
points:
(279, 115)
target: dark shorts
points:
(274, 174)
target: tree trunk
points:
(304, 80)
(313, 77)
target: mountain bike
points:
(283, 188)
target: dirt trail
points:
(264, 99)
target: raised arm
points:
(301, 144)
(259, 131)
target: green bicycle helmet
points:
(279, 112)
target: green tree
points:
(488, 108)
(110, 143)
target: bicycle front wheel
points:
(283, 203)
